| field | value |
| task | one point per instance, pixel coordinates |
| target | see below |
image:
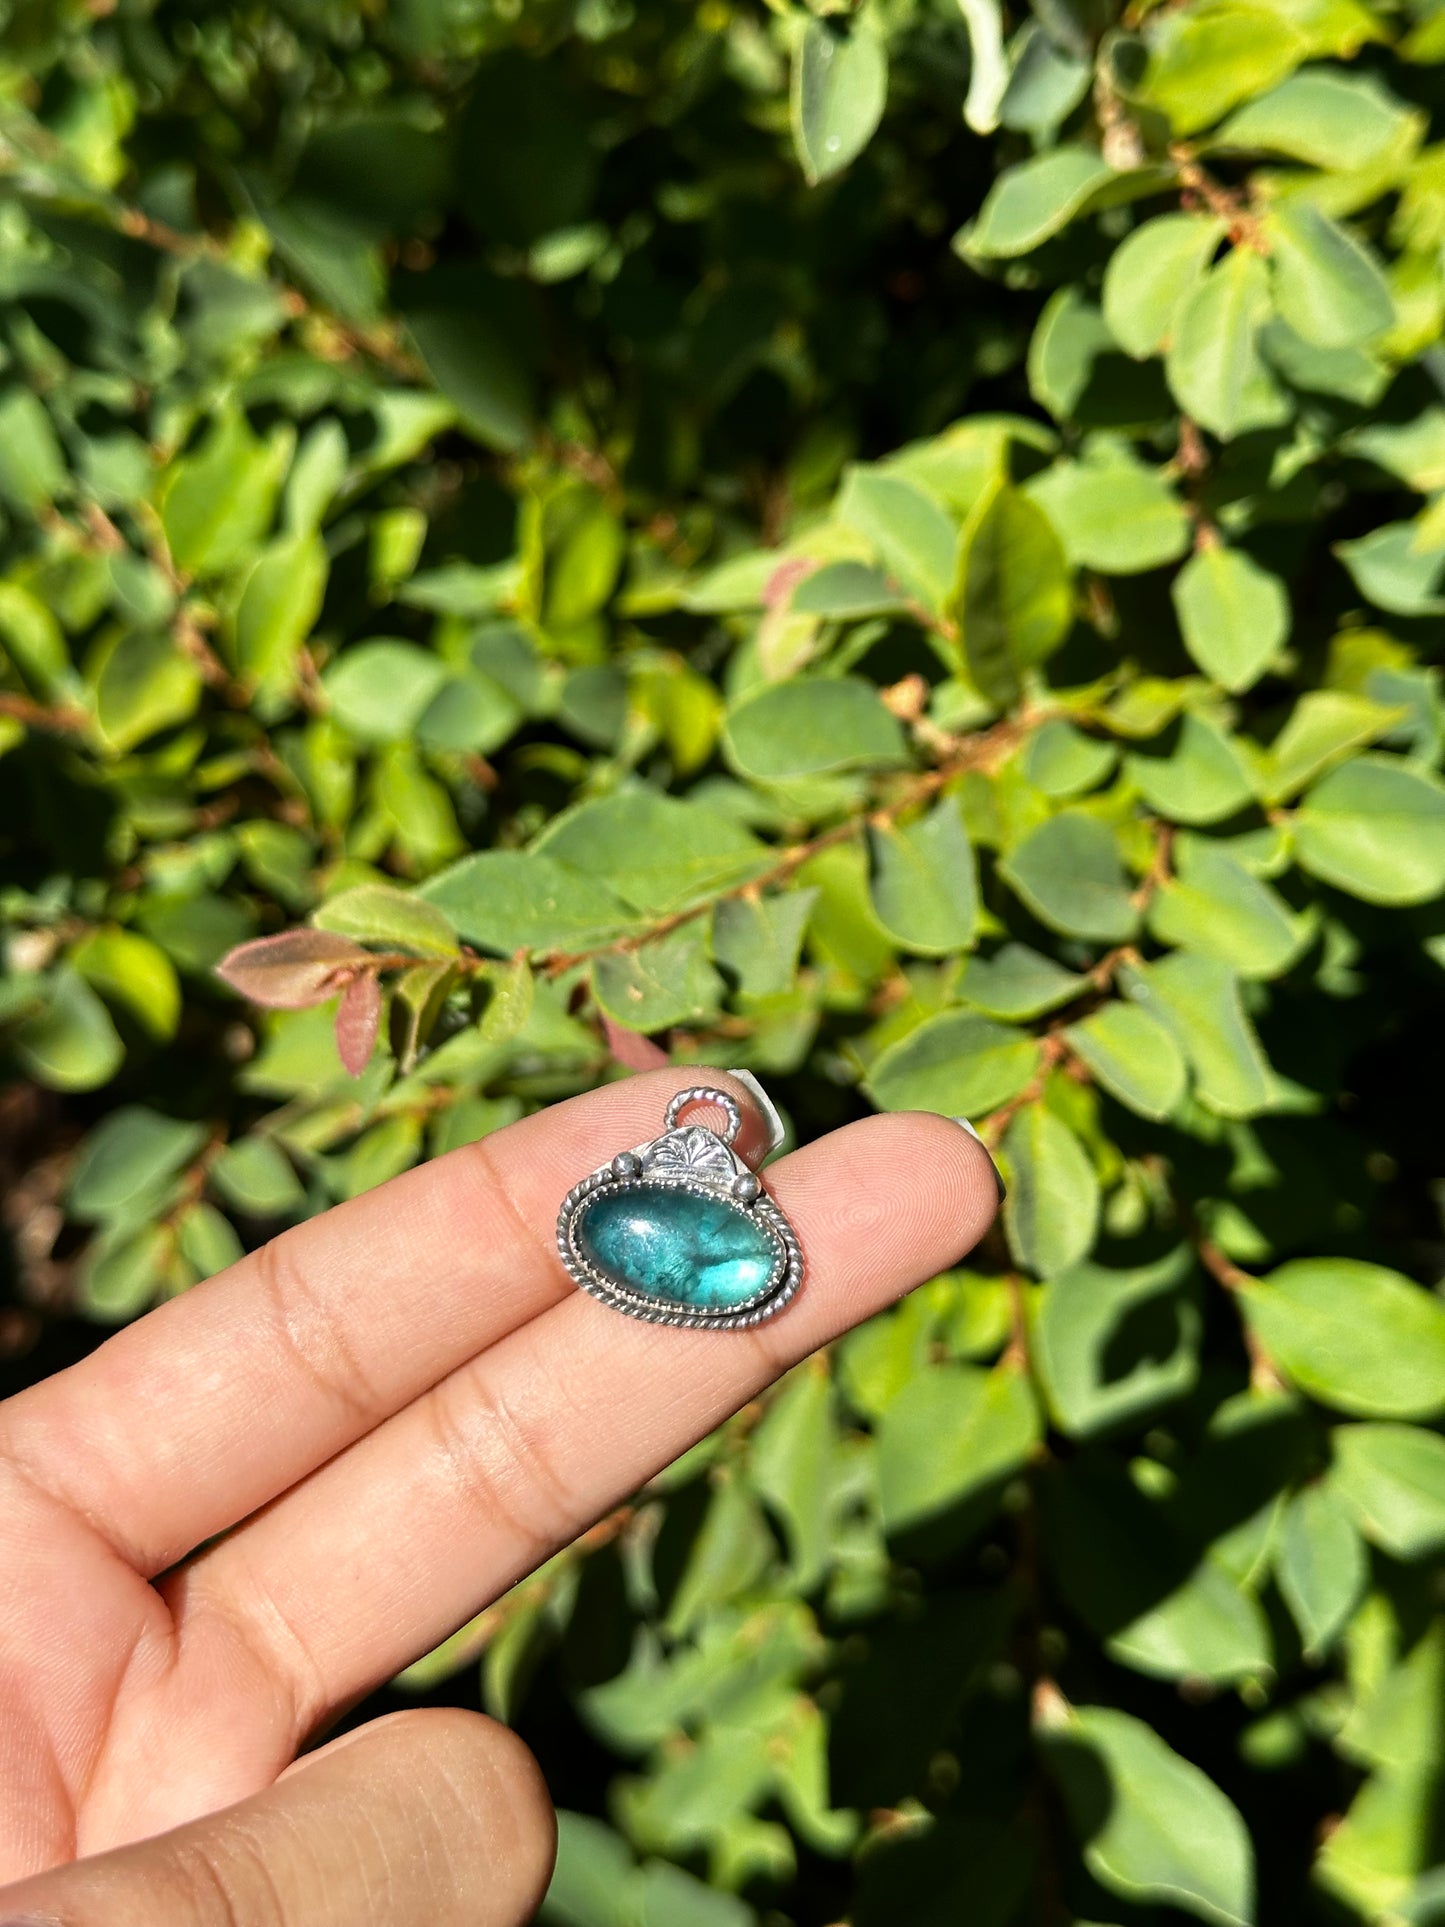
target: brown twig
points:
(1264, 1374)
(1158, 873)
(1199, 188)
(983, 749)
(1053, 1049)
(56, 719)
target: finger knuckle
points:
(317, 1343)
(500, 1462)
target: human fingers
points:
(385, 1550)
(426, 1819)
(203, 1410)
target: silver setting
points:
(701, 1161)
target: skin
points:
(249, 1508)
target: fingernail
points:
(997, 1175)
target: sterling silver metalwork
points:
(701, 1161)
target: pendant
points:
(679, 1230)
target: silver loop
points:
(706, 1094)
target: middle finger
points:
(383, 1552)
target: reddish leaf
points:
(785, 578)
(357, 1018)
(291, 971)
(631, 1048)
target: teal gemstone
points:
(705, 1253)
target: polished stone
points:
(703, 1253)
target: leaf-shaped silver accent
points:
(693, 1149)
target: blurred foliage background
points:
(902, 546)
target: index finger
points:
(188, 1420)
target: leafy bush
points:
(548, 534)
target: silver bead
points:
(627, 1164)
(746, 1187)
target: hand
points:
(369, 1428)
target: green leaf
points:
(792, 1463)
(1205, 61)
(758, 939)
(1160, 1601)
(840, 87)
(1202, 780)
(953, 1432)
(206, 1240)
(1133, 1056)
(121, 1277)
(71, 1043)
(316, 476)
(279, 605)
(469, 712)
(1046, 84)
(32, 463)
(1214, 906)
(666, 981)
(1012, 597)
(1353, 1335)
(1324, 726)
(1322, 117)
(1392, 1478)
(733, 1547)
(583, 572)
(658, 853)
(1326, 286)
(217, 503)
(592, 1878)
(1051, 1213)
(133, 1150)
(1321, 1566)
(1376, 828)
(925, 892)
(1067, 345)
(513, 995)
(1395, 571)
(508, 900)
(1111, 1345)
(33, 639)
(1394, 1721)
(988, 77)
(1018, 983)
(378, 690)
(1151, 1825)
(1213, 364)
(254, 1176)
(195, 931)
(1234, 615)
(1112, 513)
(1207, 1627)
(133, 972)
(1372, 1857)
(912, 536)
(1150, 273)
(1069, 873)
(844, 590)
(143, 684)
(810, 728)
(377, 913)
(1035, 199)
(954, 1063)
(476, 349)
(381, 1153)
(1197, 998)
(1063, 762)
